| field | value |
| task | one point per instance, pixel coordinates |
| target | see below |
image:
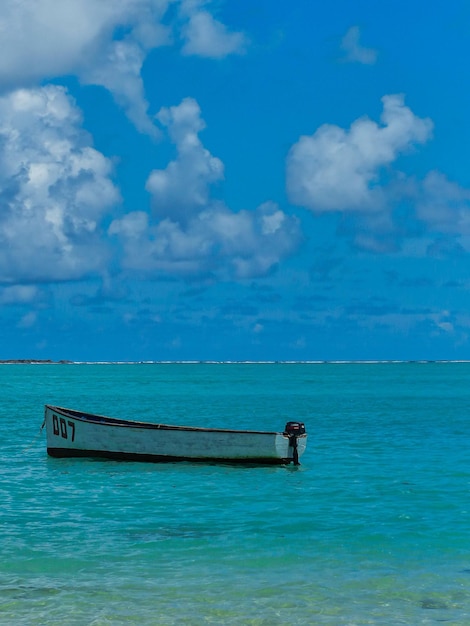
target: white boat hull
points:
(73, 433)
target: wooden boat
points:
(73, 433)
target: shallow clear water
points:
(372, 528)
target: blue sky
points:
(231, 180)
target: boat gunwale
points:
(110, 455)
(103, 420)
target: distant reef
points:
(7, 361)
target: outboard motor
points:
(293, 430)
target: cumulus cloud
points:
(103, 43)
(433, 214)
(56, 35)
(207, 37)
(215, 242)
(190, 234)
(339, 170)
(118, 70)
(55, 189)
(354, 51)
(182, 188)
(444, 206)
(443, 210)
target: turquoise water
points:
(372, 528)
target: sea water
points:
(372, 528)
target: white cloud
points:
(102, 42)
(214, 242)
(54, 189)
(118, 70)
(354, 52)
(207, 37)
(55, 35)
(197, 235)
(339, 170)
(44, 39)
(444, 206)
(182, 188)
(433, 214)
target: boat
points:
(72, 433)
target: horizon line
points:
(228, 362)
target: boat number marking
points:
(59, 426)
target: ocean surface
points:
(372, 528)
